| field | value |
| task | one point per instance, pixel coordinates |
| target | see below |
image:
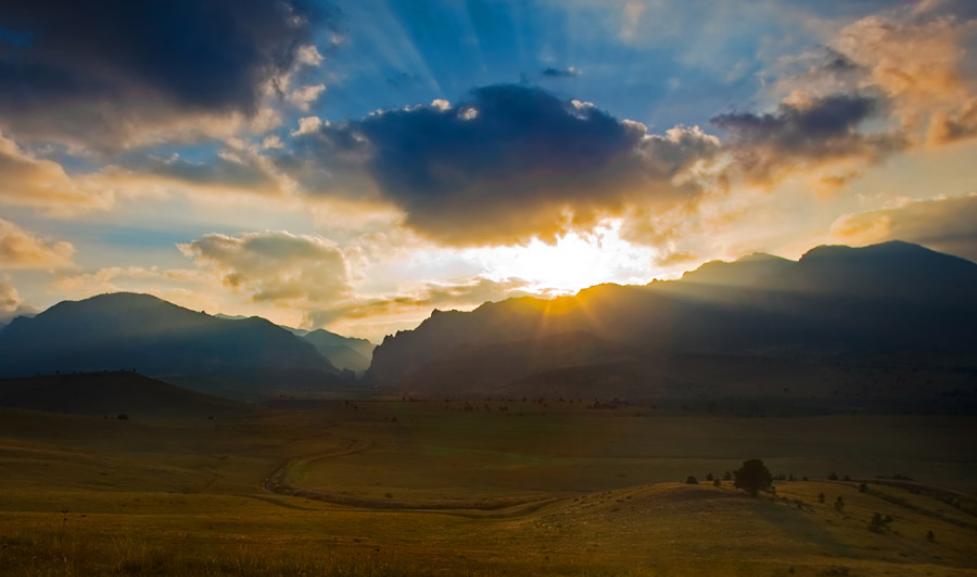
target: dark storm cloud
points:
(796, 128)
(818, 131)
(569, 72)
(508, 163)
(79, 67)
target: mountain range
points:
(893, 324)
(249, 357)
(345, 353)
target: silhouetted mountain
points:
(111, 394)
(249, 357)
(343, 352)
(824, 325)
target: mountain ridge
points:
(876, 302)
(249, 357)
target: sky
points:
(354, 165)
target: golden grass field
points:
(385, 488)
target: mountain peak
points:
(251, 357)
(892, 248)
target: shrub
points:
(879, 524)
(691, 480)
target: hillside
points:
(892, 324)
(109, 393)
(241, 358)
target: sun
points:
(573, 262)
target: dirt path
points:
(277, 482)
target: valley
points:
(373, 487)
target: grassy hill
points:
(111, 394)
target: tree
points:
(930, 536)
(821, 498)
(717, 483)
(839, 504)
(753, 477)
(691, 480)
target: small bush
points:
(879, 524)
(691, 480)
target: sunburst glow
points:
(573, 262)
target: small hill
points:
(109, 393)
(343, 352)
(240, 358)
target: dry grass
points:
(187, 498)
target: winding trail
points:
(277, 482)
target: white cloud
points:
(303, 97)
(308, 125)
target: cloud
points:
(916, 57)
(279, 267)
(303, 97)
(806, 135)
(917, 60)
(11, 305)
(308, 125)
(507, 164)
(30, 181)
(568, 72)
(133, 71)
(20, 249)
(237, 168)
(419, 303)
(945, 224)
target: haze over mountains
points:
(890, 325)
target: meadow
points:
(384, 488)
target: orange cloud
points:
(20, 249)
(945, 224)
